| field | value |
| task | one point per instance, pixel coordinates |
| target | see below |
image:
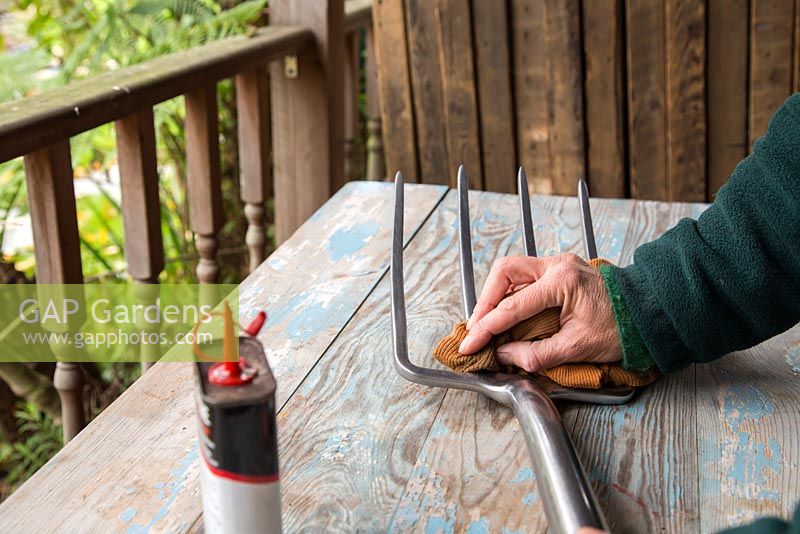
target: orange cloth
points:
(540, 326)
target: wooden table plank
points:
(641, 456)
(351, 435)
(136, 465)
(748, 410)
(474, 470)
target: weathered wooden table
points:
(362, 449)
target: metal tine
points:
(525, 213)
(586, 220)
(465, 245)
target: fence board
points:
(566, 91)
(771, 58)
(604, 90)
(531, 82)
(490, 28)
(686, 111)
(394, 85)
(459, 109)
(426, 86)
(726, 79)
(646, 99)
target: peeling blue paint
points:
(793, 359)
(440, 525)
(506, 530)
(128, 514)
(480, 526)
(747, 461)
(439, 429)
(524, 474)
(347, 241)
(174, 486)
(530, 498)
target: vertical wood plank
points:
(255, 164)
(771, 61)
(427, 91)
(493, 68)
(686, 111)
(531, 83)
(394, 86)
(728, 29)
(203, 178)
(604, 56)
(567, 154)
(460, 106)
(307, 120)
(376, 167)
(141, 210)
(796, 46)
(54, 222)
(647, 126)
(350, 104)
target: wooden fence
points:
(654, 99)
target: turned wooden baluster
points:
(255, 143)
(203, 178)
(307, 114)
(376, 168)
(51, 198)
(141, 212)
(351, 85)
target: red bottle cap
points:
(255, 325)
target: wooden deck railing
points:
(311, 49)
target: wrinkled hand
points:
(588, 331)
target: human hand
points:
(588, 331)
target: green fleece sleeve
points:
(769, 525)
(730, 279)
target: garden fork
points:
(568, 499)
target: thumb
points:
(533, 356)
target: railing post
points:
(203, 178)
(351, 79)
(54, 220)
(376, 167)
(141, 210)
(252, 105)
(307, 125)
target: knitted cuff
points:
(635, 356)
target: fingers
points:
(506, 273)
(533, 356)
(535, 298)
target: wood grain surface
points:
(426, 83)
(728, 54)
(647, 106)
(686, 100)
(362, 449)
(771, 61)
(493, 67)
(604, 93)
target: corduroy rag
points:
(540, 326)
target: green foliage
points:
(41, 439)
(86, 37)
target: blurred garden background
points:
(49, 43)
